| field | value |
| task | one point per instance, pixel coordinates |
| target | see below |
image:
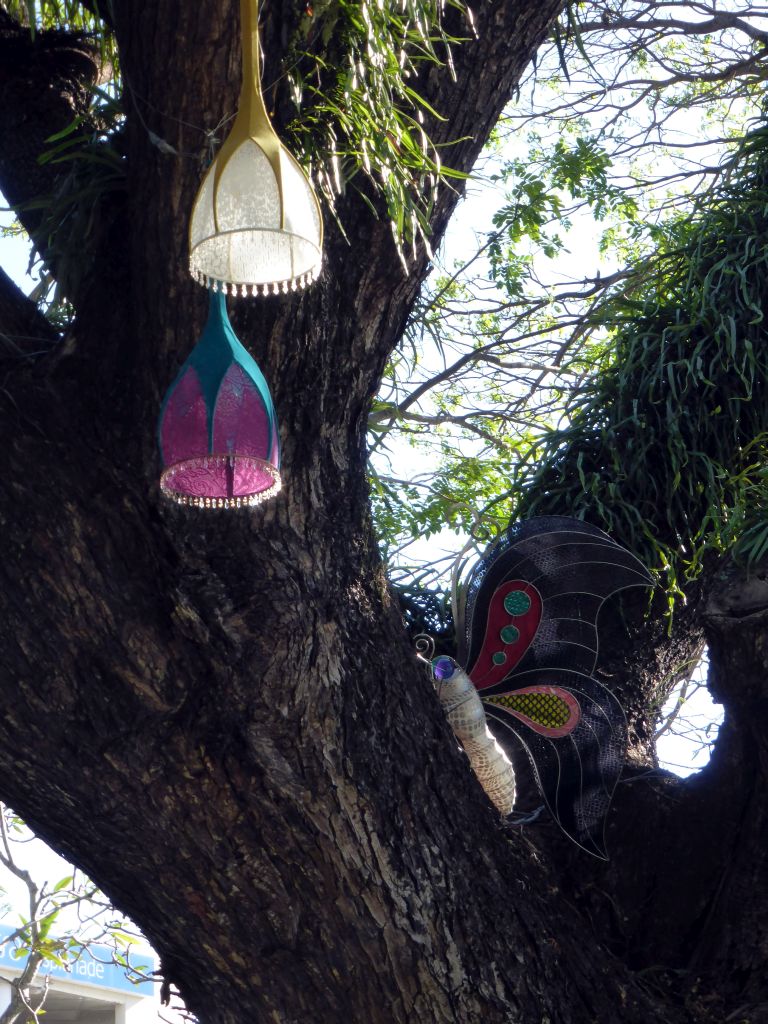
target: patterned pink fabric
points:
(241, 422)
(220, 479)
(184, 431)
(250, 478)
(237, 467)
(196, 479)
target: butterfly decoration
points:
(527, 629)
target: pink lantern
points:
(218, 429)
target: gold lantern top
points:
(256, 226)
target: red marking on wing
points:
(485, 672)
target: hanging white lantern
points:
(256, 224)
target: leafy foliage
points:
(67, 14)
(480, 376)
(352, 70)
(354, 66)
(541, 186)
(59, 925)
(93, 171)
(623, 129)
(664, 442)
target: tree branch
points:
(719, 22)
(24, 331)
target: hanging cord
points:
(211, 135)
(649, 773)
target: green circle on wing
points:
(509, 634)
(499, 658)
(517, 602)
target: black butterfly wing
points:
(575, 567)
(528, 626)
(576, 772)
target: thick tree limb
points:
(736, 929)
(24, 331)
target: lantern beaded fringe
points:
(293, 284)
(218, 462)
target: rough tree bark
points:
(219, 717)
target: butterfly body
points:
(465, 714)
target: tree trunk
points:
(218, 715)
